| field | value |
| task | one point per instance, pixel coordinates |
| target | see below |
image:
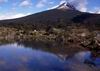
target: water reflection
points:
(85, 57)
(14, 57)
(18, 58)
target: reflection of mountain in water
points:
(52, 47)
(14, 57)
(62, 51)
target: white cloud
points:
(26, 3)
(41, 3)
(95, 10)
(81, 5)
(12, 15)
(62, 1)
(51, 2)
(53, 7)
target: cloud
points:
(3, 1)
(62, 1)
(95, 10)
(13, 15)
(81, 5)
(53, 7)
(51, 2)
(26, 3)
(98, 12)
(41, 3)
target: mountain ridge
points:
(55, 17)
(66, 5)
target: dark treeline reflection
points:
(54, 47)
(57, 48)
(46, 56)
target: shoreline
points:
(75, 38)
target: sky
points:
(18, 8)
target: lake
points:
(18, 57)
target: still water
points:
(15, 57)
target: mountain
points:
(66, 6)
(62, 16)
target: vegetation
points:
(73, 36)
(67, 27)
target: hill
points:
(64, 25)
(61, 16)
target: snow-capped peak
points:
(66, 6)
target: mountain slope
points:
(49, 17)
(55, 17)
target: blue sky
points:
(18, 8)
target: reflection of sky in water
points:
(18, 58)
(83, 56)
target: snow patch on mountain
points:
(65, 6)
